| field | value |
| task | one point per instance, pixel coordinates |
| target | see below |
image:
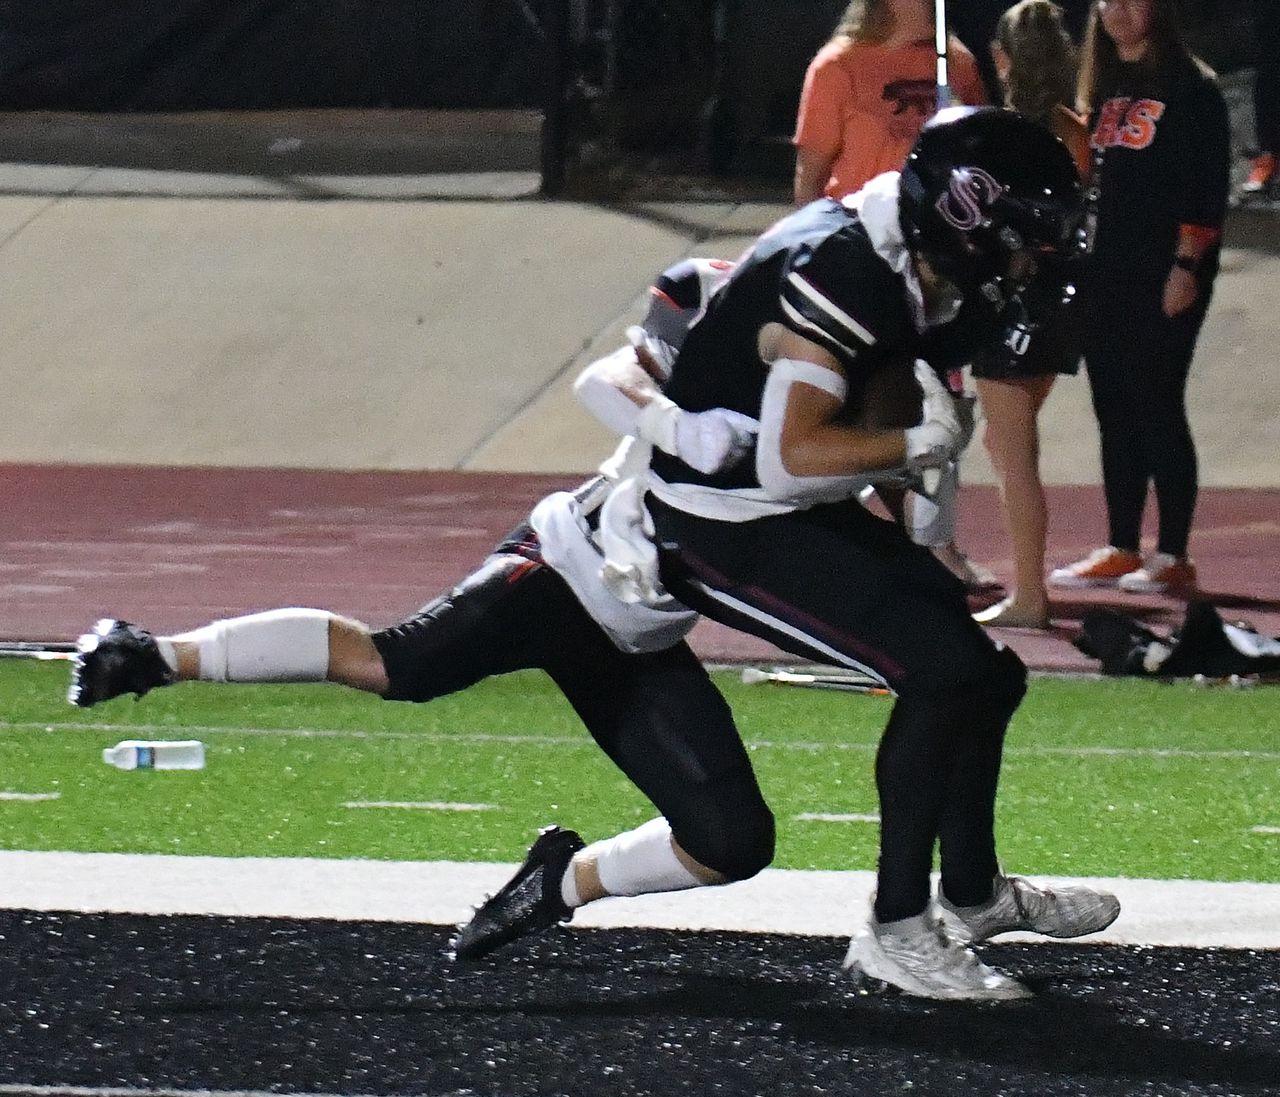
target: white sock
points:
(281, 645)
(641, 861)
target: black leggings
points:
(1266, 79)
(1138, 367)
(837, 585)
(658, 716)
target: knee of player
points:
(978, 674)
(739, 847)
(997, 690)
(1006, 679)
(756, 848)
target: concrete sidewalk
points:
(219, 317)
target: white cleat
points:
(1018, 904)
(917, 956)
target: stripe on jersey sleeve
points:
(819, 334)
(821, 301)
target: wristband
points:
(1189, 263)
(657, 423)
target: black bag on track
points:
(1204, 645)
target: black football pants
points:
(658, 716)
(835, 584)
(1266, 75)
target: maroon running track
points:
(172, 548)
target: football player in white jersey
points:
(537, 601)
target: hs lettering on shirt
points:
(1127, 123)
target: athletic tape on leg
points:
(281, 645)
(640, 862)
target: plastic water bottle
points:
(156, 754)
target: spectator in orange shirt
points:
(867, 93)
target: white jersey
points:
(612, 568)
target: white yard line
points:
(161, 731)
(29, 797)
(831, 817)
(419, 805)
(1156, 912)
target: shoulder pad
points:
(680, 294)
(842, 296)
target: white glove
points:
(940, 435)
(707, 441)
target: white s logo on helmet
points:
(969, 194)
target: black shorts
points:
(1053, 349)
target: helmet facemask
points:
(1009, 248)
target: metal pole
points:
(940, 45)
(554, 138)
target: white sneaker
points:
(918, 957)
(1017, 904)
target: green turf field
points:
(1110, 778)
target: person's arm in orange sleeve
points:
(819, 131)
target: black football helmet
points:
(991, 200)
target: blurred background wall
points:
(268, 232)
(170, 55)
(691, 85)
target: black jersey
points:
(1161, 144)
(816, 273)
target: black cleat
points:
(115, 658)
(528, 903)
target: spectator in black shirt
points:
(1161, 144)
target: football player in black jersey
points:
(817, 333)
(960, 248)
(619, 658)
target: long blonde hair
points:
(1042, 58)
(868, 22)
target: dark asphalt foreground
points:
(377, 1008)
